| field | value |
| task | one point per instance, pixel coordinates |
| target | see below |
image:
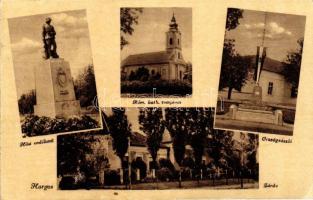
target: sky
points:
(281, 33)
(72, 38)
(150, 33)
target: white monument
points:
(55, 94)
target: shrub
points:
(141, 165)
(173, 87)
(26, 102)
(112, 177)
(289, 116)
(188, 162)
(67, 183)
(33, 125)
(165, 174)
(166, 163)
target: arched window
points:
(171, 41)
(178, 41)
(178, 55)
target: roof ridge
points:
(147, 53)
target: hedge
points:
(34, 125)
(162, 87)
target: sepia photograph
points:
(156, 51)
(54, 73)
(260, 72)
(158, 148)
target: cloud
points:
(26, 45)
(254, 26)
(273, 30)
(70, 26)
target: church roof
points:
(147, 58)
(137, 139)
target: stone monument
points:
(255, 110)
(55, 94)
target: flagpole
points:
(261, 52)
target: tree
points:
(132, 76)
(26, 102)
(142, 74)
(120, 131)
(85, 86)
(220, 148)
(292, 65)
(72, 150)
(189, 126)
(251, 149)
(233, 16)
(175, 121)
(234, 68)
(200, 125)
(151, 123)
(129, 17)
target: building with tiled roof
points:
(275, 88)
(168, 64)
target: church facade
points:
(168, 64)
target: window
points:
(178, 55)
(153, 72)
(294, 92)
(171, 41)
(270, 88)
(178, 41)
(180, 75)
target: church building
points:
(168, 64)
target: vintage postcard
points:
(156, 100)
(54, 73)
(260, 71)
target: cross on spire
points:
(173, 24)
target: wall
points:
(281, 89)
(156, 67)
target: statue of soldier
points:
(48, 37)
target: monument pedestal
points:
(55, 94)
(256, 111)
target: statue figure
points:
(48, 37)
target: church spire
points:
(173, 24)
(173, 37)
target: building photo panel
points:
(54, 73)
(156, 48)
(158, 148)
(260, 71)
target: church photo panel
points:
(156, 52)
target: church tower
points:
(173, 39)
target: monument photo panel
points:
(156, 52)
(260, 71)
(54, 73)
